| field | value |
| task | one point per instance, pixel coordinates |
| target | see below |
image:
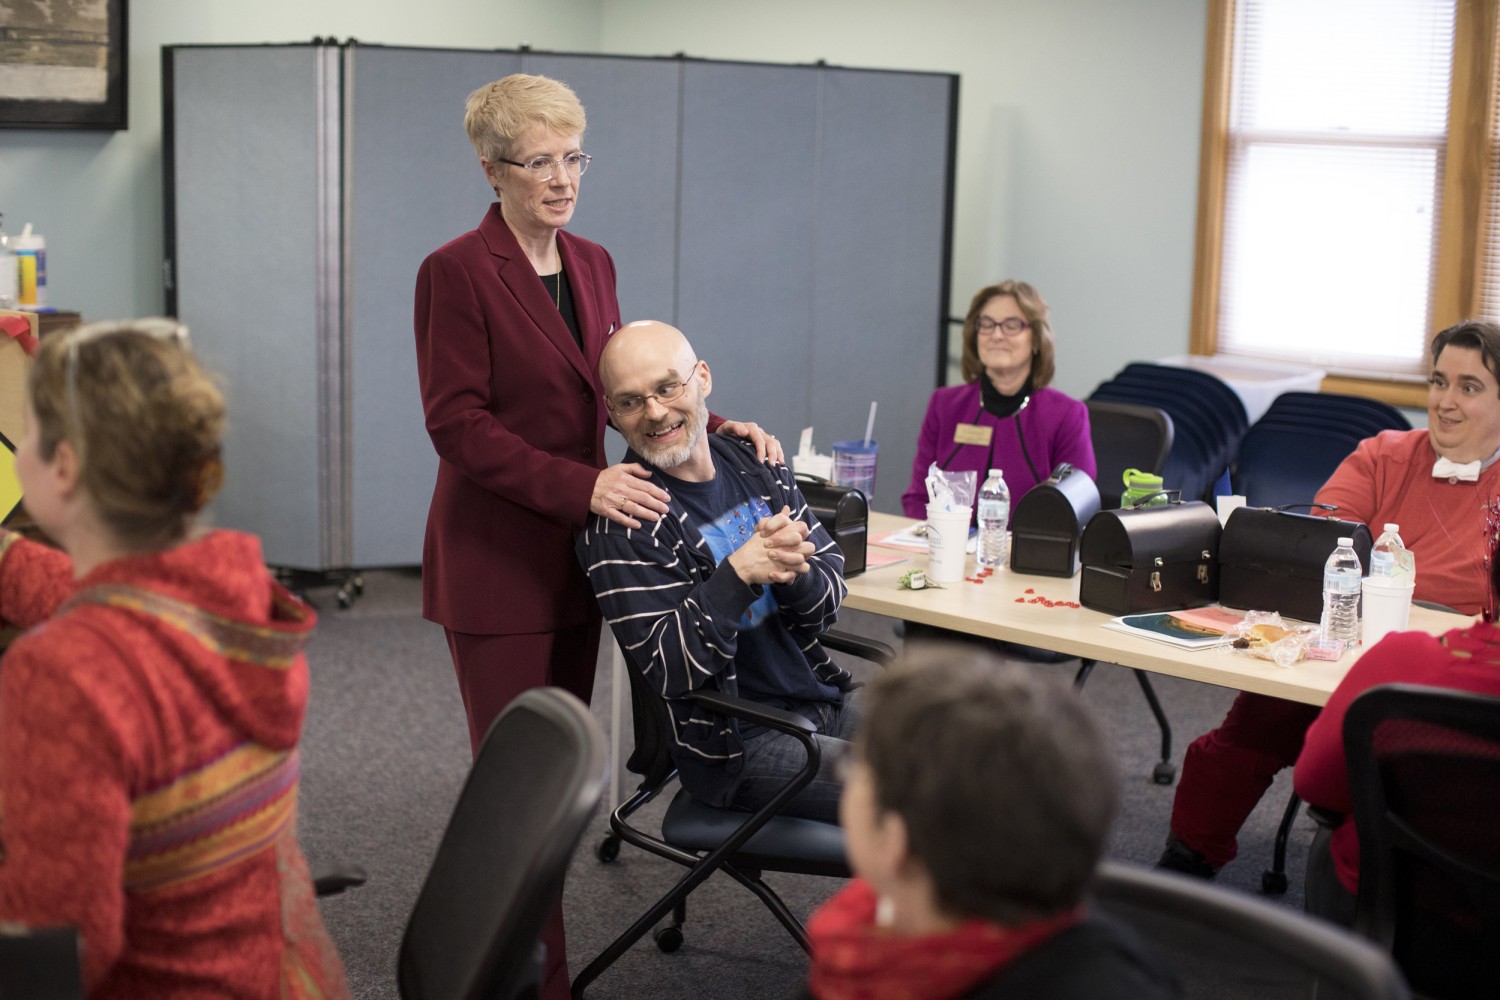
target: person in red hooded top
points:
(150, 713)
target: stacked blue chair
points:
(1290, 452)
(1208, 421)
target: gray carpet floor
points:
(385, 751)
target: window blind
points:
(1337, 129)
(1489, 263)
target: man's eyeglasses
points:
(158, 327)
(628, 406)
(544, 168)
(1010, 327)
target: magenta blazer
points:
(1056, 427)
(517, 416)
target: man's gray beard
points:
(668, 458)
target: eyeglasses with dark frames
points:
(1010, 327)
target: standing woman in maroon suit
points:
(510, 320)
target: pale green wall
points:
(1078, 140)
(1078, 145)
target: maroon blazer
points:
(517, 416)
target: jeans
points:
(772, 758)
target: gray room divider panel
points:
(883, 216)
(793, 220)
(627, 201)
(749, 201)
(415, 184)
(248, 158)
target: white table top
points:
(992, 609)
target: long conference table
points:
(1001, 608)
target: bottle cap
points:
(998, 472)
(1393, 528)
(1347, 542)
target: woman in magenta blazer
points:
(1006, 415)
(510, 319)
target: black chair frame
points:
(736, 853)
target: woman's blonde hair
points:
(1034, 308)
(499, 112)
(144, 420)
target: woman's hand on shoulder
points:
(626, 495)
(767, 448)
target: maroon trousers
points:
(492, 670)
(1227, 771)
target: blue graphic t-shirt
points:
(769, 664)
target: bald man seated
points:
(728, 591)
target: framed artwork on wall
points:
(62, 63)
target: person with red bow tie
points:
(1435, 484)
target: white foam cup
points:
(947, 537)
(1386, 608)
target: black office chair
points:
(1219, 941)
(498, 871)
(1424, 773)
(705, 839)
(41, 963)
(1126, 436)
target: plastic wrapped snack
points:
(1264, 635)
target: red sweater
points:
(1389, 478)
(1463, 659)
(148, 771)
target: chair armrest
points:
(767, 715)
(1325, 817)
(854, 645)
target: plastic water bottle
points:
(1391, 558)
(1341, 576)
(994, 520)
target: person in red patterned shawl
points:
(977, 804)
(149, 714)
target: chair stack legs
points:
(1273, 880)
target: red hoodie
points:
(148, 770)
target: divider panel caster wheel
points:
(608, 849)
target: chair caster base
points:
(1164, 773)
(668, 939)
(608, 849)
(1273, 883)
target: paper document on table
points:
(1190, 629)
(914, 537)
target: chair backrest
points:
(1126, 436)
(40, 964)
(1279, 465)
(1223, 942)
(498, 871)
(1333, 409)
(1424, 774)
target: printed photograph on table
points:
(62, 64)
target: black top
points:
(562, 297)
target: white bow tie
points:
(1445, 469)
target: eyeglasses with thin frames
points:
(544, 168)
(161, 328)
(1012, 326)
(630, 405)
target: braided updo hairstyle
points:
(144, 420)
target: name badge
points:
(972, 434)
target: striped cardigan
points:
(677, 612)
